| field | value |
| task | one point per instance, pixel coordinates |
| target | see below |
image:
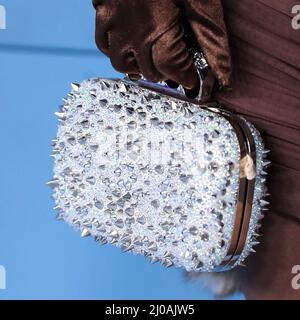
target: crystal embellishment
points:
(151, 174)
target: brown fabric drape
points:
(266, 88)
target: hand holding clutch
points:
(147, 37)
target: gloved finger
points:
(123, 59)
(103, 25)
(207, 21)
(172, 60)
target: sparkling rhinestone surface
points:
(150, 174)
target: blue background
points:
(46, 46)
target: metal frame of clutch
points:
(246, 183)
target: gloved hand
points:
(147, 37)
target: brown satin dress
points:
(266, 82)
(266, 89)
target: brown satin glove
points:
(147, 37)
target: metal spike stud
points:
(266, 163)
(53, 183)
(85, 233)
(75, 86)
(76, 222)
(114, 234)
(123, 88)
(60, 115)
(59, 216)
(141, 220)
(267, 194)
(261, 216)
(264, 203)
(167, 263)
(152, 246)
(127, 248)
(101, 240)
(103, 103)
(153, 260)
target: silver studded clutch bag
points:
(140, 166)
